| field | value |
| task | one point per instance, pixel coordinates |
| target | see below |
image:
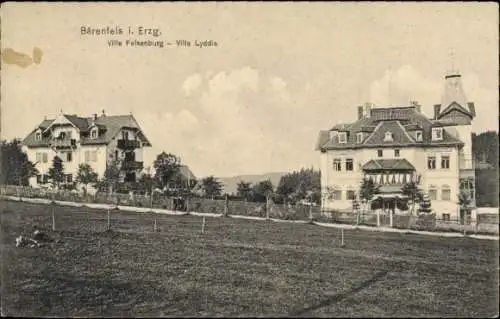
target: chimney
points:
(417, 106)
(103, 113)
(360, 112)
(367, 109)
(94, 116)
(437, 109)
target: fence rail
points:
(485, 223)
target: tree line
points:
(302, 185)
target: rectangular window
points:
(351, 195)
(38, 157)
(93, 133)
(418, 136)
(437, 133)
(431, 162)
(69, 134)
(380, 153)
(432, 194)
(45, 179)
(124, 135)
(45, 158)
(38, 136)
(359, 138)
(445, 162)
(39, 179)
(87, 156)
(342, 137)
(446, 217)
(446, 194)
(396, 153)
(116, 155)
(349, 164)
(94, 156)
(337, 195)
(69, 178)
(337, 165)
(69, 157)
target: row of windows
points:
(380, 153)
(344, 195)
(44, 178)
(432, 162)
(337, 164)
(437, 134)
(90, 156)
(445, 193)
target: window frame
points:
(435, 136)
(38, 136)
(342, 137)
(350, 192)
(433, 157)
(351, 161)
(359, 137)
(388, 137)
(397, 153)
(335, 162)
(380, 153)
(446, 188)
(419, 136)
(445, 159)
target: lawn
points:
(236, 268)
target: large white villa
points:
(96, 140)
(393, 145)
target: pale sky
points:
(255, 103)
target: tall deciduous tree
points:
(367, 190)
(111, 177)
(303, 184)
(56, 172)
(261, 190)
(413, 192)
(166, 167)
(211, 186)
(15, 167)
(86, 176)
(244, 189)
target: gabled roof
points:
(400, 121)
(109, 125)
(399, 134)
(388, 164)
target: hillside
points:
(230, 183)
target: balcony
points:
(132, 165)
(128, 144)
(63, 143)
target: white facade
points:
(93, 149)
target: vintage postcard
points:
(249, 159)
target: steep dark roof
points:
(109, 127)
(398, 120)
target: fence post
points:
(378, 218)
(53, 217)
(390, 218)
(226, 207)
(267, 206)
(109, 220)
(310, 212)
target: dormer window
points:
(342, 137)
(38, 136)
(418, 136)
(332, 134)
(93, 133)
(437, 133)
(359, 137)
(388, 137)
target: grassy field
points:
(236, 268)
